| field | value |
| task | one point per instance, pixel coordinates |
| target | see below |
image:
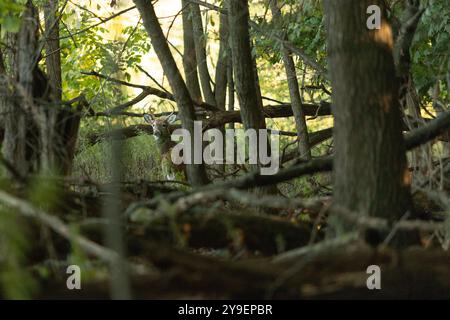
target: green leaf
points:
(11, 24)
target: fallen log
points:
(267, 235)
(338, 273)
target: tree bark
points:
(52, 47)
(294, 92)
(2, 63)
(51, 144)
(230, 80)
(3, 96)
(21, 145)
(195, 172)
(11, 149)
(189, 58)
(370, 173)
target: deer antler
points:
(148, 117)
(173, 111)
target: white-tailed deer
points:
(162, 133)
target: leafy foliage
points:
(431, 48)
(10, 15)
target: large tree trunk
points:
(195, 172)
(244, 72)
(252, 116)
(13, 152)
(189, 57)
(60, 130)
(21, 143)
(370, 173)
(246, 77)
(39, 133)
(294, 92)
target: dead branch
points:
(278, 111)
(58, 226)
(315, 138)
(428, 132)
(122, 133)
(63, 230)
(146, 91)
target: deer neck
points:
(164, 144)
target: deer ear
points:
(148, 118)
(172, 118)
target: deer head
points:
(161, 125)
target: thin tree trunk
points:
(196, 173)
(189, 55)
(222, 62)
(294, 92)
(231, 99)
(230, 80)
(2, 63)
(252, 116)
(221, 78)
(409, 98)
(370, 172)
(120, 287)
(439, 109)
(52, 47)
(51, 143)
(257, 86)
(200, 49)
